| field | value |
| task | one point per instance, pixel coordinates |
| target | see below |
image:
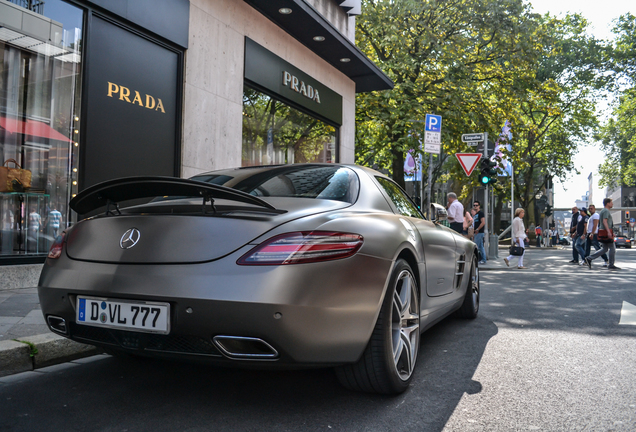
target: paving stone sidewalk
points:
(26, 343)
(20, 314)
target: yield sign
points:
(468, 161)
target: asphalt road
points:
(553, 349)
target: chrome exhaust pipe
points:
(57, 324)
(245, 348)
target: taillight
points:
(303, 247)
(56, 248)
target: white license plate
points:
(151, 317)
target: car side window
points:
(403, 203)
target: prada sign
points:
(132, 106)
(299, 86)
(266, 70)
(123, 94)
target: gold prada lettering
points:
(112, 88)
(124, 92)
(155, 104)
(299, 86)
(150, 102)
(160, 106)
(137, 99)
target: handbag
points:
(14, 179)
(516, 250)
(604, 236)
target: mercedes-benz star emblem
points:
(130, 238)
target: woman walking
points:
(518, 236)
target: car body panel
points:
(318, 313)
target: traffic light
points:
(626, 214)
(548, 210)
(488, 172)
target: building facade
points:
(96, 90)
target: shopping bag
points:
(14, 179)
(516, 250)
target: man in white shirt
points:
(455, 211)
(592, 233)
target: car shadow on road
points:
(143, 394)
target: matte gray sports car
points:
(312, 265)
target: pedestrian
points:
(555, 237)
(573, 222)
(537, 233)
(605, 223)
(468, 231)
(480, 225)
(581, 234)
(592, 234)
(518, 236)
(455, 211)
(54, 221)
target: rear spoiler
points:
(109, 193)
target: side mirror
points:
(438, 213)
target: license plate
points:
(149, 317)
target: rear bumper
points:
(318, 313)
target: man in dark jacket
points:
(581, 231)
(573, 222)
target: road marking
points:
(584, 272)
(628, 314)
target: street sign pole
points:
(428, 186)
(486, 232)
(432, 144)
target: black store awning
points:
(304, 22)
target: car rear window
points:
(311, 181)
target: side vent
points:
(459, 272)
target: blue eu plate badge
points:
(82, 310)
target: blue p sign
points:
(433, 123)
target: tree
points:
(451, 58)
(617, 136)
(558, 111)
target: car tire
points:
(388, 362)
(470, 307)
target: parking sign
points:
(433, 123)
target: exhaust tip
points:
(246, 348)
(57, 324)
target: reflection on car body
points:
(308, 264)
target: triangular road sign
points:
(468, 161)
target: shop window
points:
(276, 133)
(39, 127)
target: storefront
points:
(95, 90)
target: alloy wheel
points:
(405, 325)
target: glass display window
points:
(276, 133)
(40, 80)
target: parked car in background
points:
(565, 241)
(622, 241)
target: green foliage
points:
(452, 58)
(478, 64)
(618, 133)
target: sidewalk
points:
(26, 343)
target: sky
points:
(600, 15)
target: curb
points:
(34, 352)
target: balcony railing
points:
(36, 6)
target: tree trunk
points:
(398, 167)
